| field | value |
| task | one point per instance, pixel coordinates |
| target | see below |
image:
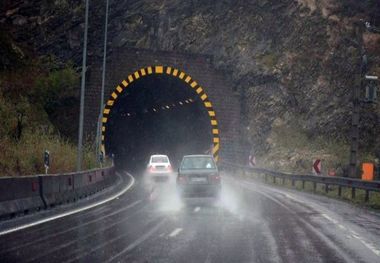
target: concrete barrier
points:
(20, 195)
(24, 194)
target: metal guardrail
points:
(327, 181)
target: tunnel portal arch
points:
(173, 72)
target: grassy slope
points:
(38, 112)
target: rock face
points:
(294, 62)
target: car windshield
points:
(160, 159)
(190, 163)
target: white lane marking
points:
(48, 219)
(341, 227)
(45, 237)
(79, 251)
(369, 245)
(175, 232)
(293, 198)
(330, 219)
(196, 210)
(355, 235)
(351, 233)
(305, 222)
(140, 240)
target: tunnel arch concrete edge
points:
(174, 72)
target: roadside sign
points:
(371, 77)
(252, 160)
(368, 171)
(332, 172)
(317, 167)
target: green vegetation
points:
(38, 112)
(292, 137)
(293, 150)
(26, 155)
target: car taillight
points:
(152, 168)
(170, 168)
(215, 177)
(181, 179)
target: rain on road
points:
(251, 222)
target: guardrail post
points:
(283, 181)
(353, 192)
(340, 191)
(366, 198)
(326, 188)
(274, 179)
(265, 178)
(303, 184)
(314, 187)
(293, 182)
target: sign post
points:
(101, 159)
(46, 160)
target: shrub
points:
(26, 156)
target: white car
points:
(159, 168)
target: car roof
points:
(158, 155)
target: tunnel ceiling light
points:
(157, 108)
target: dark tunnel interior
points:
(157, 114)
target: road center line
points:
(48, 219)
(330, 219)
(196, 210)
(175, 232)
(139, 241)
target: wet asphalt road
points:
(252, 222)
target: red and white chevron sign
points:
(317, 166)
(252, 160)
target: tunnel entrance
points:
(158, 114)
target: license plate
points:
(198, 179)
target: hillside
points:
(293, 62)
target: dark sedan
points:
(198, 175)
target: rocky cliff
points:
(294, 63)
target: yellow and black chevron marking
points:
(172, 72)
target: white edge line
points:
(353, 234)
(75, 211)
(175, 232)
